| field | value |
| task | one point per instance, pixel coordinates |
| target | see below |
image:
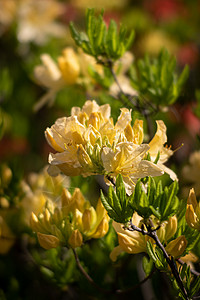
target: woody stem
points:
(170, 261)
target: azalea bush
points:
(103, 197)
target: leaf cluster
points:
(57, 265)
(157, 79)
(117, 203)
(191, 285)
(162, 203)
(100, 42)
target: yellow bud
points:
(89, 218)
(48, 241)
(75, 239)
(47, 215)
(170, 228)
(161, 232)
(191, 217)
(84, 158)
(66, 198)
(177, 246)
(102, 229)
(78, 199)
(34, 222)
(77, 219)
(192, 199)
(69, 66)
(192, 214)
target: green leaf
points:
(117, 203)
(195, 287)
(100, 42)
(147, 265)
(157, 79)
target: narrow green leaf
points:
(195, 286)
(147, 265)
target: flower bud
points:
(170, 228)
(102, 229)
(84, 158)
(66, 198)
(192, 214)
(48, 241)
(177, 246)
(34, 222)
(75, 239)
(89, 218)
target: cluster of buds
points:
(88, 143)
(70, 225)
(192, 214)
(134, 242)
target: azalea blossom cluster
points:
(70, 225)
(89, 143)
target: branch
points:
(96, 286)
(170, 261)
(87, 276)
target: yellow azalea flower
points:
(70, 225)
(127, 160)
(192, 214)
(134, 242)
(54, 76)
(89, 143)
(36, 21)
(190, 173)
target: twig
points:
(87, 276)
(170, 261)
(104, 291)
